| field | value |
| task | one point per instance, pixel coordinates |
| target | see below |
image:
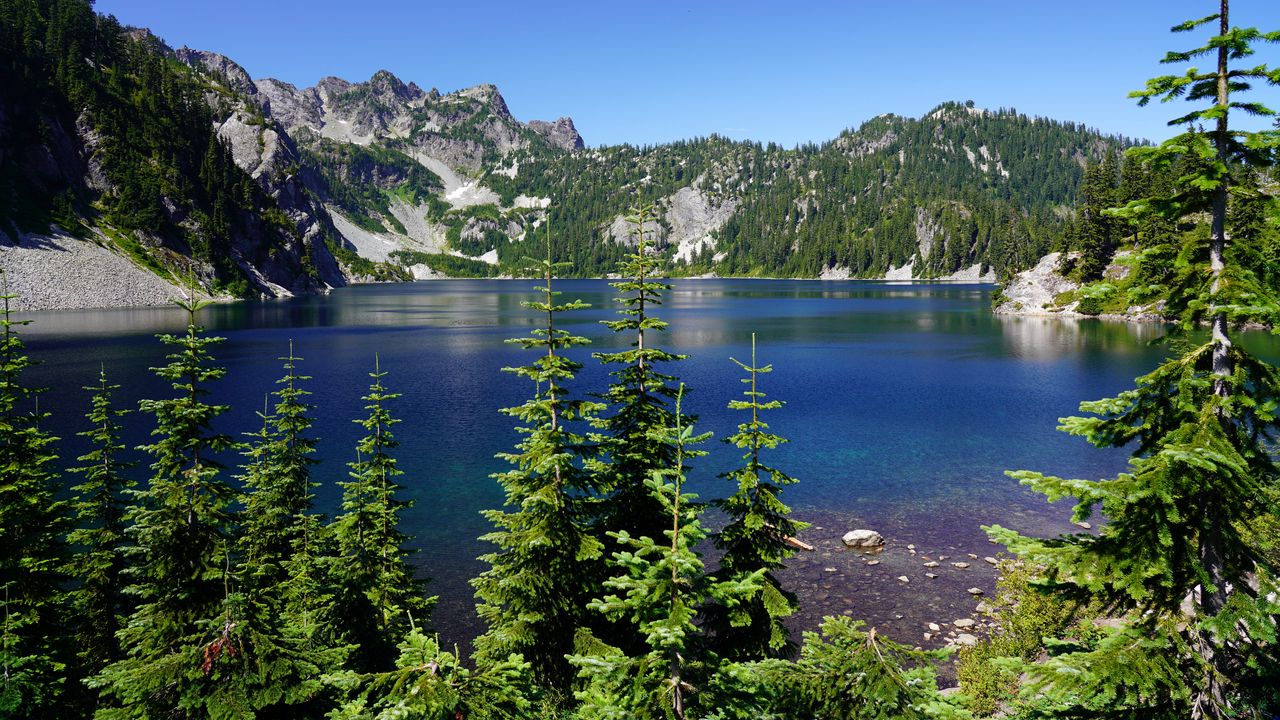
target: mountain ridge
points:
(381, 179)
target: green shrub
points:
(1025, 616)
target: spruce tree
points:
(1095, 231)
(33, 653)
(286, 550)
(639, 397)
(431, 684)
(277, 601)
(379, 599)
(754, 538)
(533, 596)
(98, 600)
(280, 490)
(845, 672)
(1176, 564)
(179, 529)
(658, 588)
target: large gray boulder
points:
(867, 539)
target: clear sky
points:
(787, 71)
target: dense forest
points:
(956, 188)
(168, 583)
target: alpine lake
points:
(905, 405)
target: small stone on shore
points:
(960, 565)
(975, 591)
(963, 623)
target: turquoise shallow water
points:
(905, 404)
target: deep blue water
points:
(905, 402)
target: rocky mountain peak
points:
(488, 95)
(237, 77)
(385, 85)
(560, 133)
(332, 86)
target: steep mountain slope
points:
(104, 136)
(180, 162)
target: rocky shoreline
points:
(62, 272)
(1035, 293)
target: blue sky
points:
(786, 72)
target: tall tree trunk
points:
(1211, 702)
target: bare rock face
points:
(560, 133)
(292, 107)
(1031, 290)
(863, 539)
(693, 216)
(237, 78)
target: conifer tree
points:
(33, 654)
(279, 605)
(280, 491)
(179, 530)
(1176, 562)
(843, 673)
(533, 596)
(98, 601)
(639, 396)
(286, 551)
(1095, 231)
(379, 599)
(431, 684)
(658, 588)
(754, 539)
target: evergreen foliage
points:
(379, 598)
(430, 684)
(33, 652)
(638, 398)
(279, 520)
(99, 602)
(1194, 594)
(753, 540)
(167, 179)
(284, 553)
(659, 588)
(844, 673)
(534, 595)
(986, 186)
(179, 528)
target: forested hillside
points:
(105, 134)
(957, 188)
(188, 166)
